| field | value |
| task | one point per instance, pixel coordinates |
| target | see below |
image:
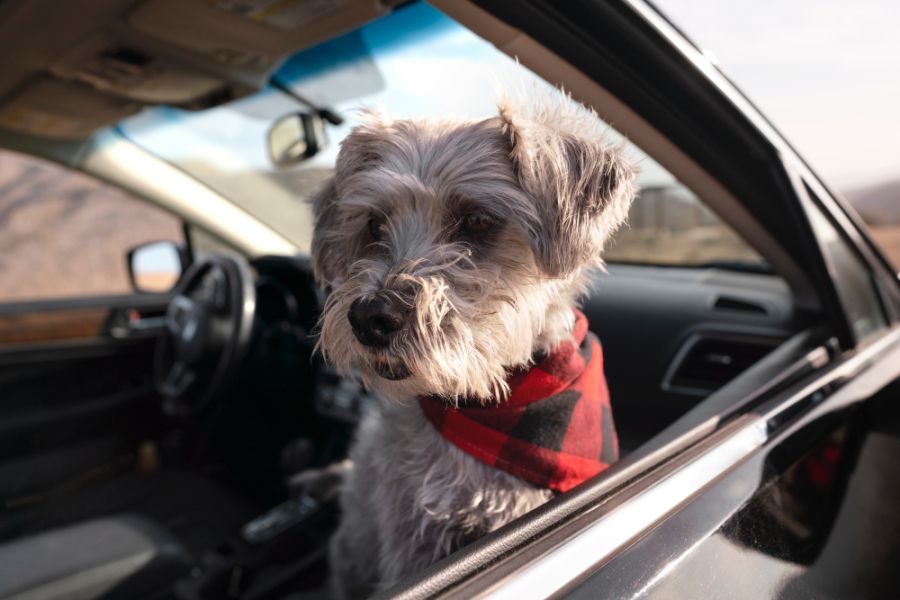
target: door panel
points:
(810, 514)
(71, 324)
(76, 389)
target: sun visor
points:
(251, 34)
(62, 110)
(114, 67)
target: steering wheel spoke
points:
(179, 307)
(208, 325)
(178, 379)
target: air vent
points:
(711, 362)
(731, 303)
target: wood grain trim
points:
(57, 325)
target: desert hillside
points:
(63, 234)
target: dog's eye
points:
(476, 222)
(374, 226)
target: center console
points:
(279, 552)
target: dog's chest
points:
(428, 496)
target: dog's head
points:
(454, 250)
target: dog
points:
(453, 253)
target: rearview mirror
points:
(155, 268)
(296, 137)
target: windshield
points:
(414, 62)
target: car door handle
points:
(130, 324)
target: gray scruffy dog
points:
(452, 251)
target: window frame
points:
(818, 203)
(854, 233)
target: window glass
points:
(879, 207)
(669, 225)
(415, 62)
(66, 235)
(852, 278)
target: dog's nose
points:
(375, 319)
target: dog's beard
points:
(467, 326)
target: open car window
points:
(64, 235)
(668, 225)
(415, 62)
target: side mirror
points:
(155, 268)
(296, 137)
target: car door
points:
(794, 495)
(76, 342)
(782, 483)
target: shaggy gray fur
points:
(393, 221)
(412, 498)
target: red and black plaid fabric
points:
(556, 428)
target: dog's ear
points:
(361, 148)
(328, 258)
(583, 187)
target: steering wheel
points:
(209, 321)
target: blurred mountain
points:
(878, 204)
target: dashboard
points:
(671, 336)
(288, 302)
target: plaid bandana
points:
(555, 430)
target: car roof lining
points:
(71, 68)
(557, 71)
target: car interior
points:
(141, 459)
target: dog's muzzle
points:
(377, 318)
